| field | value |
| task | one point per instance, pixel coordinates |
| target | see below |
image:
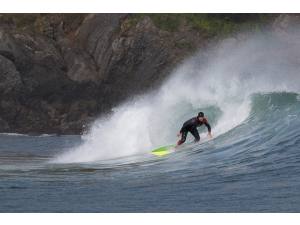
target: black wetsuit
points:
(191, 126)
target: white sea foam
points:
(223, 79)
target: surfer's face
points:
(200, 119)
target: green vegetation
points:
(168, 22)
(210, 24)
(224, 24)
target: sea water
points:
(248, 90)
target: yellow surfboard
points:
(162, 151)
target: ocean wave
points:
(241, 82)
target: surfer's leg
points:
(183, 138)
(196, 135)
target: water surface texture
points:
(249, 92)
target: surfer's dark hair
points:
(200, 114)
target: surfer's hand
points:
(209, 135)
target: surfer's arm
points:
(180, 132)
(208, 128)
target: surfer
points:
(191, 126)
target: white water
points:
(224, 78)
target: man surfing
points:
(191, 126)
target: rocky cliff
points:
(58, 72)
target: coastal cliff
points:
(59, 72)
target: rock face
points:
(123, 60)
(36, 93)
(59, 72)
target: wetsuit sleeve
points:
(207, 125)
(181, 130)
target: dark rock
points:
(10, 80)
(60, 71)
